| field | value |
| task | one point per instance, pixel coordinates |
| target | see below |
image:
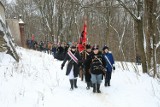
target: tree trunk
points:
(60, 26)
(149, 31)
(154, 5)
(141, 50)
(151, 35)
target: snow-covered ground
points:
(37, 81)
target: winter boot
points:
(75, 83)
(71, 82)
(109, 83)
(105, 84)
(94, 88)
(88, 86)
(82, 77)
(91, 85)
(98, 88)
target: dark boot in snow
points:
(105, 84)
(71, 82)
(88, 86)
(75, 83)
(109, 83)
(82, 78)
(98, 88)
(94, 88)
(91, 85)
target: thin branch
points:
(128, 10)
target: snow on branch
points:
(157, 17)
(128, 10)
(157, 45)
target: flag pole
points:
(85, 31)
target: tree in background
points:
(128, 27)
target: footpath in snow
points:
(37, 81)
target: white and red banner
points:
(73, 57)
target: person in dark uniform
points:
(87, 67)
(96, 62)
(72, 67)
(110, 66)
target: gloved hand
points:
(105, 70)
(114, 68)
(62, 66)
(80, 63)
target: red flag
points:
(32, 37)
(83, 38)
(80, 47)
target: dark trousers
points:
(87, 76)
(108, 76)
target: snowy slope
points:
(37, 81)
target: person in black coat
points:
(60, 53)
(96, 62)
(66, 47)
(72, 67)
(87, 67)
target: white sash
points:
(108, 61)
(72, 57)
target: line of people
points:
(96, 65)
(47, 47)
(57, 50)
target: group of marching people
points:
(96, 65)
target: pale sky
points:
(10, 1)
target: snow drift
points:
(37, 81)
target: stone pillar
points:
(21, 27)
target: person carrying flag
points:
(72, 70)
(82, 47)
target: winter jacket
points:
(96, 61)
(86, 64)
(72, 63)
(109, 65)
(87, 68)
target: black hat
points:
(73, 46)
(88, 46)
(105, 47)
(95, 47)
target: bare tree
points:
(128, 27)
